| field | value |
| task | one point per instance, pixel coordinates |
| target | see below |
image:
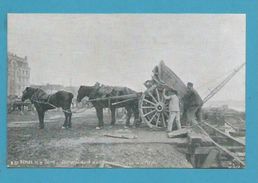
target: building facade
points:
(18, 74)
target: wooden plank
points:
(219, 131)
(232, 155)
(237, 134)
(121, 136)
(178, 133)
(211, 159)
(194, 137)
(240, 154)
(235, 148)
(203, 150)
(206, 149)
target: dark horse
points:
(94, 92)
(43, 102)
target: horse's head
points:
(27, 93)
(83, 92)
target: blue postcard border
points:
(249, 174)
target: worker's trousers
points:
(193, 115)
(173, 116)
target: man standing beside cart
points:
(174, 109)
(192, 105)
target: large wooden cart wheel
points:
(153, 107)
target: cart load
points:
(152, 105)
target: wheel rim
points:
(153, 108)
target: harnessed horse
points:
(96, 91)
(44, 102)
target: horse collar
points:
(91, 95)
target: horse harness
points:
(37, 101)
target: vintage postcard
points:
(126, 90)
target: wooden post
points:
(211, 158)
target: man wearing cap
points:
(174, 109)
(192, 105)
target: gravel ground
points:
(83, 146)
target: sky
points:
(122, 49)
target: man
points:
(192, 105)
(174, 109)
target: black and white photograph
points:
(126, 90)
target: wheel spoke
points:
(157, 93)
(148, 107)
(163, 99)
(149, 102)
(165, 114)
(163, 120)
(152, 97)
(157, 123)
(153, 117)
(149, 113)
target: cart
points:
(153, 107)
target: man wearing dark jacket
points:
(192, 105)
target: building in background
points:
(18, 74)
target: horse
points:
(97, 91)
(44, 102)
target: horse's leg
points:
(70, 112)
(128, 116)
(136, 116)
(70, 119)
(113, 115)
(41, 118)
(65, 125)
(99, 111)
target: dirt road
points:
(84, 146)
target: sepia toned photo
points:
(126, 90)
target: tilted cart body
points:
(153, 107)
